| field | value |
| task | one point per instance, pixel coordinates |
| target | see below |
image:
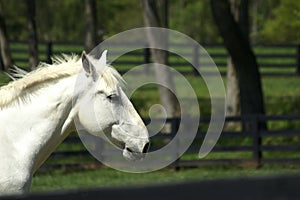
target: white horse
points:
(38, 111)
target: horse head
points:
(105, 111)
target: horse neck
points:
(40, 124)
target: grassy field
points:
(105, 177)
(281, 94)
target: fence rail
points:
(248, 146)
(275, 60)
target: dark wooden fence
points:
(237, 146)
(254, 146)
(273, 59)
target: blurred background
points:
(254, 43)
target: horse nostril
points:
(129, 150)
(146, 147)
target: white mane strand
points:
(63, 66)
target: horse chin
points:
(133, 156)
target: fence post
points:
(49, 52)
(174, 129)
(257, 143)
(298, 60)
(147, 56)
(196, 60)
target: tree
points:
(232, 86)
(243, 58)
(4, 44)
(32, 39)
(153, 19)
(91, 25)
(239, 10)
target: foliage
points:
(120, 15)
(284, 24)
(194, 18)
(60, 20)
(64, 20)
(276, 20)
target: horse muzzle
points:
(136, 144)
(132, 155)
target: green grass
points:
(281, 86)
(105, 177)
(282, 96)
(3, 79)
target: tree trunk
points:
(151, 17)
(33, 41)
(91, 25)
(254, 26)
(165, 13)
(232, 86)
(233, 91)
(7, 61)
(243, 19)
(239, 10)
(243, 58)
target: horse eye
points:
(111, 96)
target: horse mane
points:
(63, 66)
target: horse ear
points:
(85, 62)
(102, 59)
(88, 66)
